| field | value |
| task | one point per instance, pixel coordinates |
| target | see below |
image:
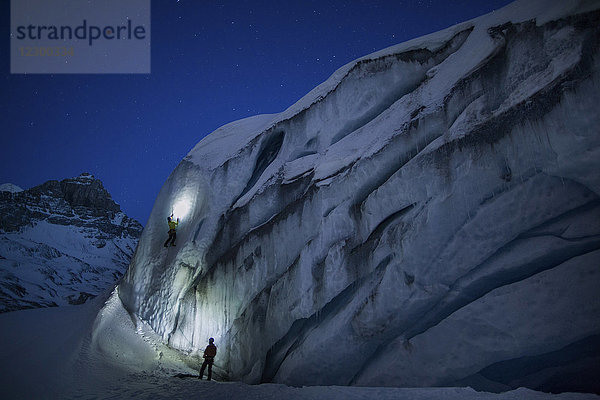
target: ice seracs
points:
(408, 222)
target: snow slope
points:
(428, 216)
(54, 265)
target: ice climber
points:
(172, 231)
(209, 357)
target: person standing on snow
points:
(209, 358)
(172, 230)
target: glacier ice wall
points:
(430, 215)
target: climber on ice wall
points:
(172, 230)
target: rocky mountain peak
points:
(87, 191)
(79, 201)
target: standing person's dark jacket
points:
(210, 351)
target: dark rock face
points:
(62, 242)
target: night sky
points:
(213, 62)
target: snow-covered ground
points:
(98, 351)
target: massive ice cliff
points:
(429, 215)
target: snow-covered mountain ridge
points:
(428, 216)
(9, 187)
(61, 243)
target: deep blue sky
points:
(213, 62)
